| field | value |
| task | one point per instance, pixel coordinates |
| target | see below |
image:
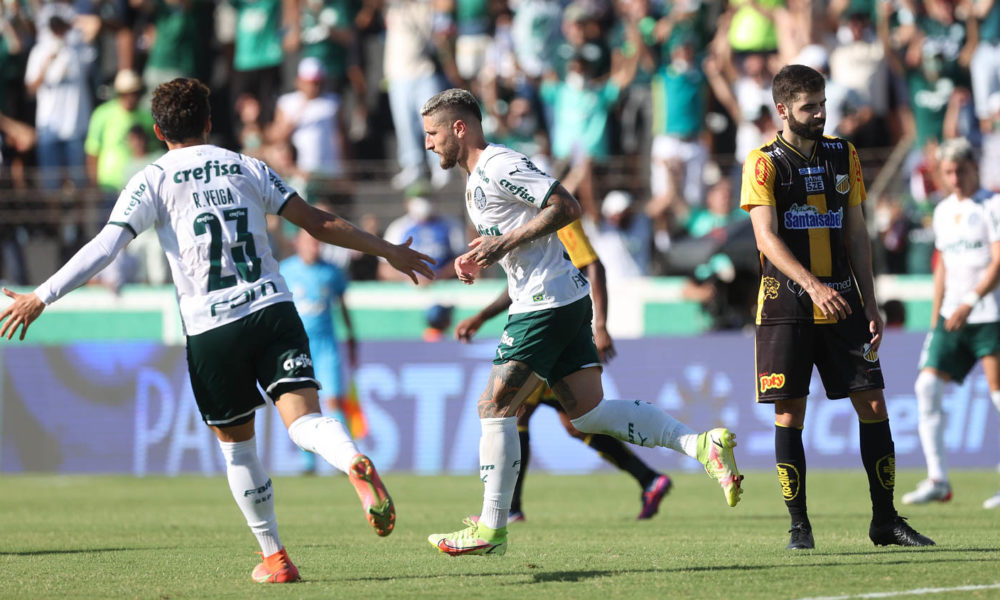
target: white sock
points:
(324, 436)
(499, 465)
(252, 491)
(929, 389)
(640, 423)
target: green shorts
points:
(553, 342)
(956, 352)
(225, 364)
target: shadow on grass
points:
(584, 574)
(73, 551)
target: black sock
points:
(879, 457)
(791, 463)
(523, 437)
(620, 456)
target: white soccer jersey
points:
(208, 206)
(963, 232)
(504, 191)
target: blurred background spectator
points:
(439, 236)
(641, 106)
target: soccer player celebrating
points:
(517, 209)
(654, 485)
(816, 303)
(208, 206)
(965, 321)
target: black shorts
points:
(786, 353)
(225, 364)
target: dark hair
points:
(181, 108)
(454, 104)
(793, 80)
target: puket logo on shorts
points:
(771, 381)
(294, 363)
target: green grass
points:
(171, 538)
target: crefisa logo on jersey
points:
(479, 198)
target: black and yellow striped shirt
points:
(811, 196)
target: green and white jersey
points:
(504, 191)
(209, 208)
(963, 232)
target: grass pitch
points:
(172, 538)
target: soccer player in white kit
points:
(208, 206)
(517, 210)
(965, 316)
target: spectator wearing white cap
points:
(623, 238)
(309, 119)
(106, 145)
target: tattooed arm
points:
(560, 210)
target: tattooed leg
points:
(509, 384)
(499, 446)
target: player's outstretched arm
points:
(87, 262)
(468, 327)
(560, 210)
(765, 230)
(329, 228)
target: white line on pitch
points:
(916, 592)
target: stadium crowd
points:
(645, 109)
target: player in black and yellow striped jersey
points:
(654, 485)
(816, 303)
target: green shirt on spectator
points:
(107, 139)
(258, 34)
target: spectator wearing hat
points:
(309, 119)
(623, 238)
(107, 145)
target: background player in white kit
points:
(208, 206)
(517, 210)
(965, 321)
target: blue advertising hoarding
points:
(126, 407)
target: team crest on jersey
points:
(479, 198)
(870, 354)
(769, 287)
(761, 171)
(843, 184)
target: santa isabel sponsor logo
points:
(808, 217)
